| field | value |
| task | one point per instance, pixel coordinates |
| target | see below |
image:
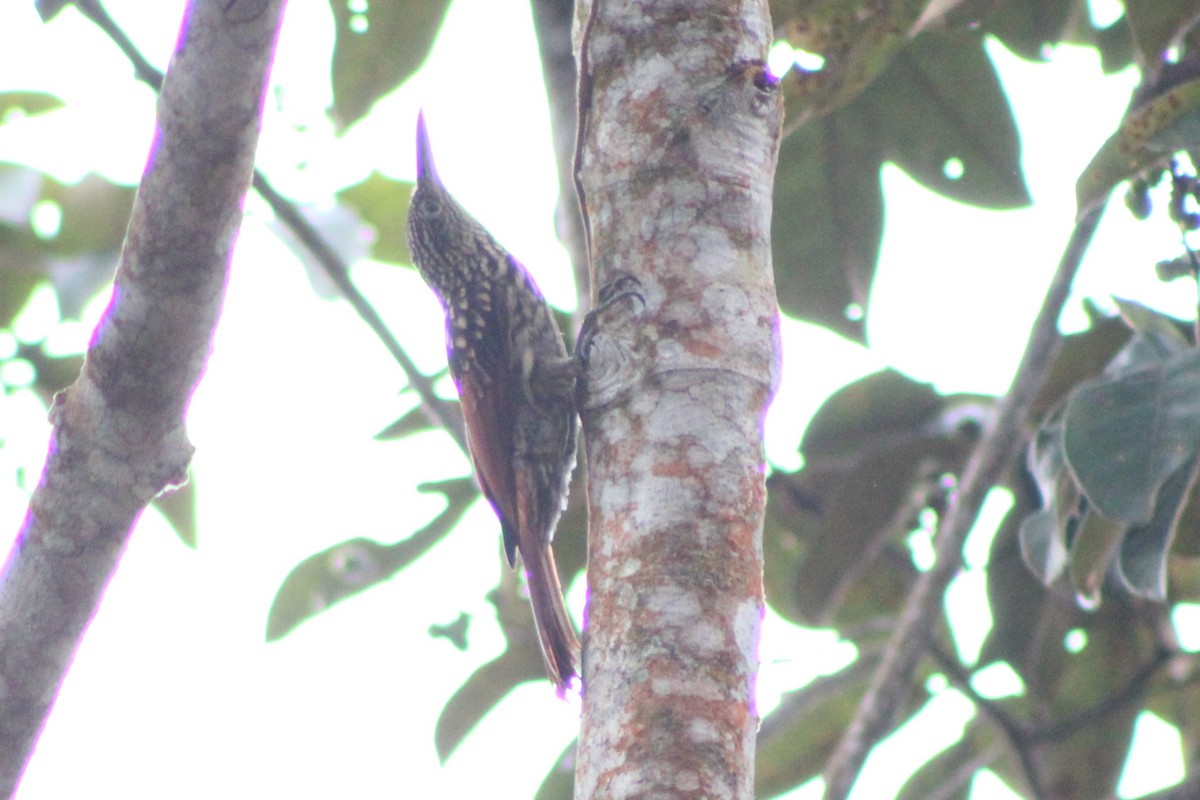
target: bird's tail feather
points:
(560, 647)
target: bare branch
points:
(439, 411)
(143, 69)
(552, 23)
(1014, 730)
(1001, 443)
(118, 436)
(1128, 694)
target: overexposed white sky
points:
(174, 693)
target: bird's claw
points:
(623, 287)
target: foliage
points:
(937, 103)
(1103, 515)
(1104, 528)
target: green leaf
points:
(28, 104)
(1032, 28)
(54, 373)
(1028, 27)
(874, 456)
(1123, 436)
(383, 203)
(828, 220)
(794, 503)
(486, 687)
(179, 508)
(948, 774)
(938, 104)
(1187, 530)
(454, 632)
(863, 413)
(521, 661)
(1092, 550)
(323, 579)
(95, 214)
(1172, 269)
(853, 565)
(79, 258)
(796, 739)
(1089, 752)
(1045, 462)
(1176, 703)
(1070, 702)
(1142, 566)
(344, 570)
(1044, 534)
(1162, 333)
(1115, 44)
(857, 39)
(16, 285)
(1042, 546)
(1021, 606)
(560, 781)
(1156, 24)
(48, 9)
(377, 49)
(1082, 356)
(1147, 137)
(940, 107)
(412, 421)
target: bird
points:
(516, 385)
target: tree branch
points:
(439, 411)
(1128, 694)
(1013, 730)
(118, 432)
(1001, 443)
(552, 24)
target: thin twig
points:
(440, 412)
(552, 24)
(958, 781)
(1129, 693)
(143, 69)
(1013, 729)
(999, 446)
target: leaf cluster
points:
(1105, 502)
(1116, 468)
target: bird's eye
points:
(429, 206)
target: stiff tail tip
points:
(556, 632)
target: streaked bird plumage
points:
(516, 385)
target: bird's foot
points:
(604, 350)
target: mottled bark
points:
(680, 136)
(118, 437)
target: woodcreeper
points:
(516, 387)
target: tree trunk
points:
(118, 437)
(680, 131)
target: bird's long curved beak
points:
(426, 170)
